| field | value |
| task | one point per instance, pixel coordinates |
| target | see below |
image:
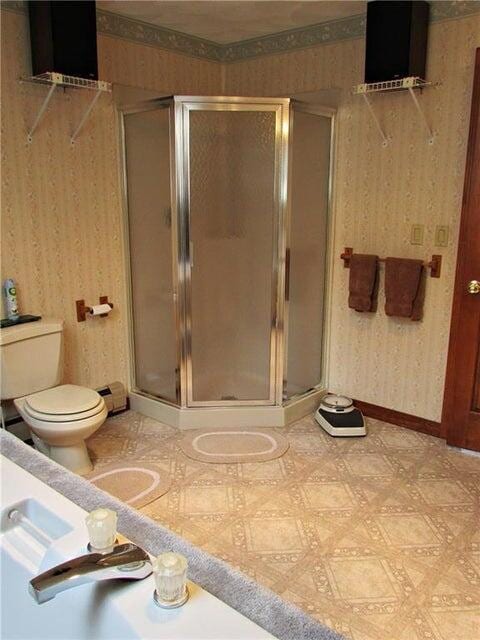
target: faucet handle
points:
(170, 571)
(102, 529)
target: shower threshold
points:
(241, 416)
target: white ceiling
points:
(226, 21)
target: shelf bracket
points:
(375, 119)
(41, 112)
(53, 80)
(422, 115)
(85, 116)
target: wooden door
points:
(461, 409)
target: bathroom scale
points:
(338, 417)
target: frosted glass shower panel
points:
(147, 157)
(309, 192)
(232, 235)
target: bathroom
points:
(260, 115)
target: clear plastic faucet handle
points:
(170, 571)
(102, 528)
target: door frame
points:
(459, 380)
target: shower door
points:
(231, 192)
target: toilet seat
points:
(65, 403)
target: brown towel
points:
(363, 277)
(404, 288)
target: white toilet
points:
(60, 417)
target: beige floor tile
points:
(393, 439)
(206, 500)
(464, 463)
(458, 624)
(267, 535)
(329, 496)
(461, 577)
(474, 559)
(415, 626)
(361, 579)
(443, 492)
(310, 444)
(368, 464)
(334, 615)
(408, 530)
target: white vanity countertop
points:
(109, 609)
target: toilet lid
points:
(64, 418)
(64, 400)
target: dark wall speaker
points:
(63, 38)
(396, 40)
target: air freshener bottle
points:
(10, 293)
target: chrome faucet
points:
(126, 561)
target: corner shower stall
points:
(227, 217)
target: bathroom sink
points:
(47, 529)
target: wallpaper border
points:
(115, 25)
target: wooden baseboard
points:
(400, 419)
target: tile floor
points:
(377, 537)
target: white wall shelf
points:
(409, 84)
(54, 80)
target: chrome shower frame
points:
(186, 412)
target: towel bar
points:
(435, 264)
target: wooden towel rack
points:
(435, 264)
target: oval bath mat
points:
(136, 484)
(233, 445)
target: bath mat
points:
(136, 484)
(233, 445)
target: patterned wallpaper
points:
(61, 213)
(379, 193)
(61, 204)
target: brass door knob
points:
(473, 287)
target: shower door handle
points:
(190, 252)
(287, 275)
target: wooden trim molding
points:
(398, 418)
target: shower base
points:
(255, 416)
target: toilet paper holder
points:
(83, 309)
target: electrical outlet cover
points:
(441, 236)
(416, 234)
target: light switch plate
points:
(441, 236)
(416, 234)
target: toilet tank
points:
(31, 356)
